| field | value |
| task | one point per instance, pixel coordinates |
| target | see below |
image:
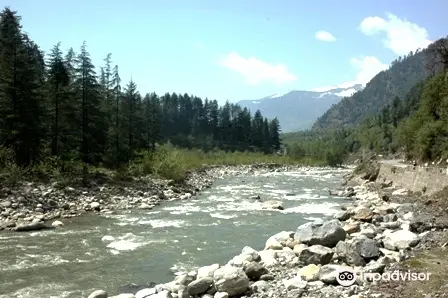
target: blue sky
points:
(237, 49)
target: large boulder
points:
(255, 270)
(363, 213)
(327, 234)
(200, 286)
(268, 257)
(400, 239)
(366, 248)
(231, 280)
(279, 240)
(316, 254)
(207, 271)
(347, 254)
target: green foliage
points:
(171, 162)
(330, 146)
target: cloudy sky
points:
(238, 49)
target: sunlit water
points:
(108, 252)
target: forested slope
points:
(412, 126)
(402, 75)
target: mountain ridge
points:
(298, 109)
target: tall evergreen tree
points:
(58, 80)
(21, 90)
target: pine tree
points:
(88, 94)
(274, 133)
(22, 72)
(152, 121)
(58, 80)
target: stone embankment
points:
(369, 235)
(32, 206)
(425, 178)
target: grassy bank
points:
(165, 162)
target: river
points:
(140, 246)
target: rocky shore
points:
(373, 233)
(32, 206)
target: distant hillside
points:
(397, 81)
(298, 110)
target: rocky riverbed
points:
(32, 206)
(374, 232)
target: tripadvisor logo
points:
(347, 276)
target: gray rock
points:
(294, 283)
(254, 271)
(260, 286)
(348, 255)
(363, 214)
(366, 248)
(374, 267)
(267, 277)
(95, 206)
(207, 271)
(143, 293)
(98, 294)
(268, 257)
(231, 280)
(316, 254)
(249, 251)
(6, 204)
(272, 204)
(184, 279)
(343, 215)
(33, 226)
(390, 225)
(326, 234)
(400, 239)
(199, 286)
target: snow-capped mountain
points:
(298, 110)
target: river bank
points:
(32, 206)
(376, 230)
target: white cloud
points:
(325, 36)
(256, 71)
(367, 68)
(402, 36)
